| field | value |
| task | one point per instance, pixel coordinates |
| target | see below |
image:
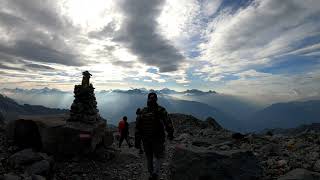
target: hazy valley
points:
(231, 112)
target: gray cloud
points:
(123, 63)
(43, 13)
(36, 31)
(258, 35)
(5, 67)
(37, 52)
(107, 31)
(138, 33)
(10, 20)
(38, 66)
(9, 59)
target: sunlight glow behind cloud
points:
(247, 48)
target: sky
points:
(255, 48)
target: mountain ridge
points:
(231, 111)
(10, 109)
(286, 115)
(129, 91)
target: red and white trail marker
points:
(85, 136)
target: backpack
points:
(121, 126)
(151, 124)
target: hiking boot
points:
(150, 177)
(140, 151)
(155, 176)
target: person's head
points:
(138, 111)
(125, 118)
(152, 99)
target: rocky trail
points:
(106, 163)
(200, 150)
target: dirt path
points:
(143, 171)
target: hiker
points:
(151, 124)
(124, 131)
(138, 141)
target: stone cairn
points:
(84, 107)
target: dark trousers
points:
(124, 136)
(153, 149)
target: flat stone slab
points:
(47, 120)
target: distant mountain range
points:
(286, 115)
(114, 104)
(10, 109)
(232, 112)
(232, 105)
(45, 90)
(165, 91)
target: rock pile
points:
(86, 127)
(84, 106)
(28, 164)
(212, 123)
(75, 134)
(192, 125)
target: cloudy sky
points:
(257, 48)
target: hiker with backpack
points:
(151, 124)
(124, 131)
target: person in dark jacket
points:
(151, 124)
(124, 131)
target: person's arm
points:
(137, 133)
(168, 124)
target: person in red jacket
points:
(124, 131)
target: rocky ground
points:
(200, 150)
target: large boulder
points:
(300, 174)
(191, 125)
(316, 166)
(10, 177)
(108, 139)
(40, 168)
(212, 123)
(54, 135)
(1, 119)
(36, 131)
(24, 157)
(191, 164)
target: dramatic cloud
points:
(39, 66)
(266, 49)
(37, 52)
(36, 31)
(259, 33)
(139, 34)
(6, 67)
(270, 88)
